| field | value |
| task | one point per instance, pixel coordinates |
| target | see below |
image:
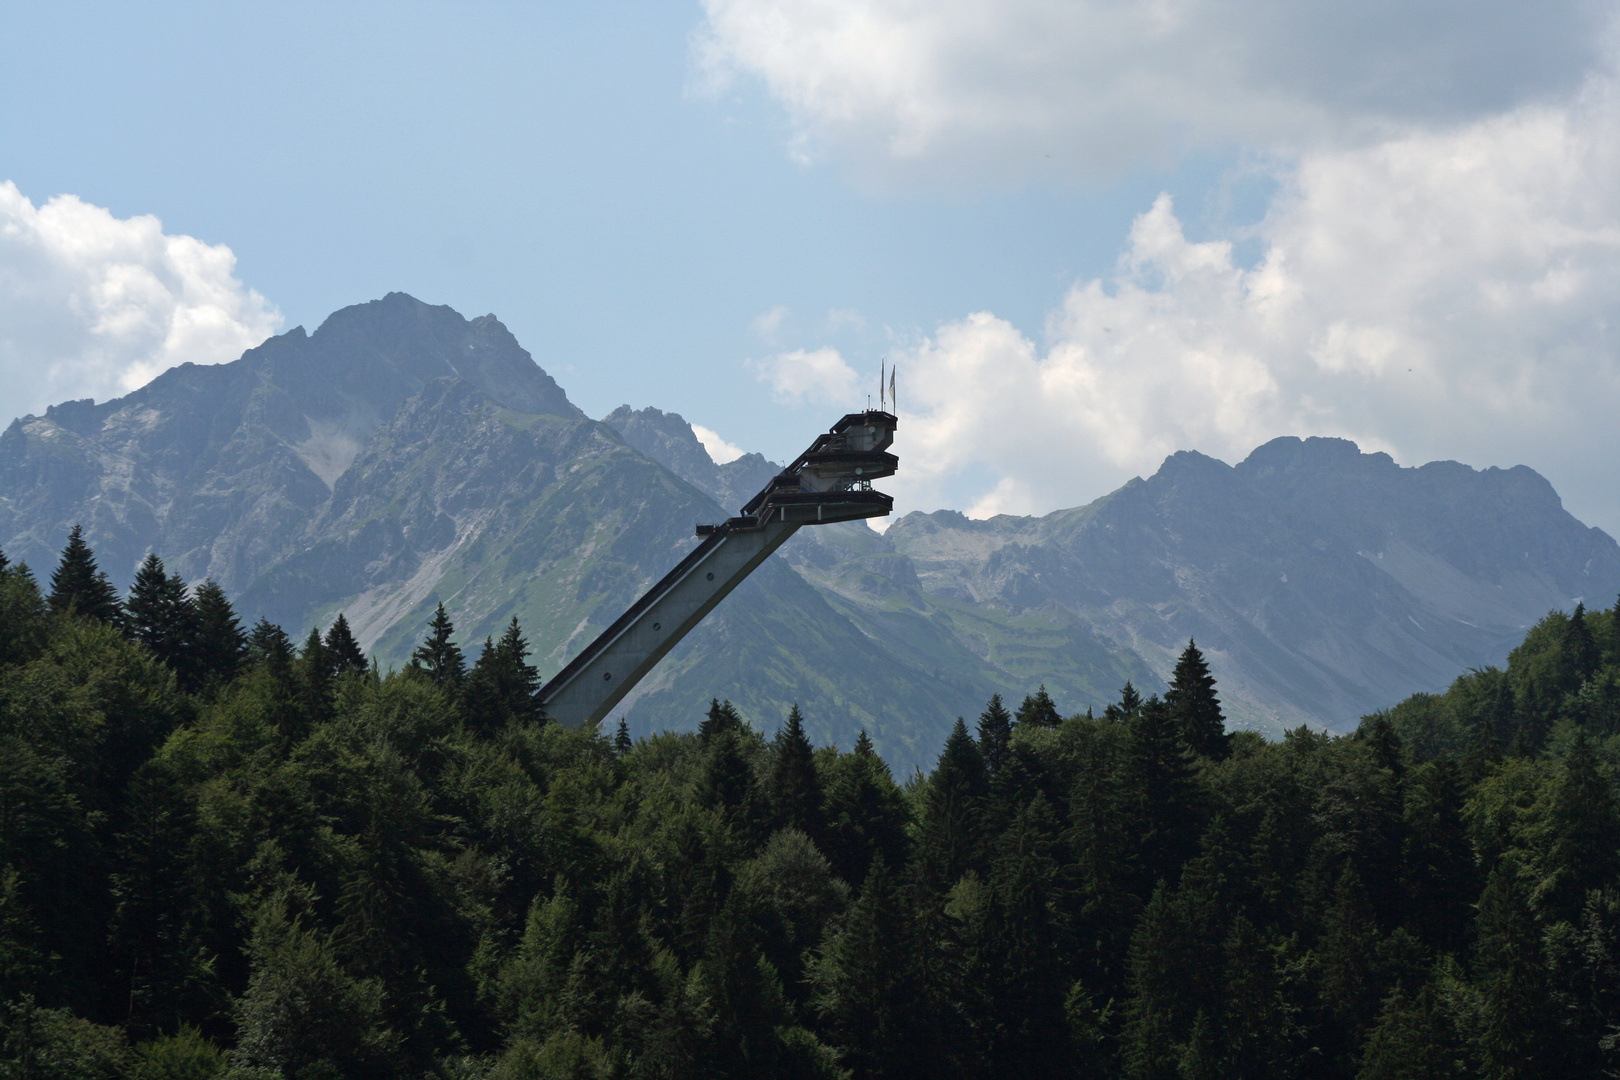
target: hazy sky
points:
(1091, 233)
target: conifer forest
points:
(227, 851)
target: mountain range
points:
(402, 455)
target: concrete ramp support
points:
(831, 481)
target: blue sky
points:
(734, 210)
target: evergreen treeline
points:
(226, 854)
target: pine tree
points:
(1347, 972)
(727, 781)
(154, 930)
(221, 646)
(1518, 1033)
(23, 615)
(1585, 828)
(1489, 726)
(268, 644)
(438, 655)
(864, 986)
(315, 679)
(521, 683)
(1160, 793)
(795, 790)
(722, 716)
(1129, 702)
(80, 587)
(1580, 650)
(866, 813)
(1195, 708)
(1163, 1001)
(1255, 1018)
(1038, 710)
(343, 652)
(949, 840)
(503, 687)
(1438, 881)
(1415, 1039)
(622, 743)
(1025, 948)
(160, 615)
(995, 734)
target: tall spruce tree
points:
(1580, 650)
(1038, 710)
(160, 615)
(1438, 879)
(343, 652)
(722, 716)
(1197, 711)
(268, 644)
(995, 734)
(864, 984)
(866, 813)
(1161, 794)
(1025, 948)
(438, 655)
(1518, 1033)
(521, 680)
(80, 587)
(503, 687)
(949, 842)
(795, 790)
(315, 678)
(1415, 1039)
(1129, 702)
(24, 613)
(221, 646)
(1585, 827)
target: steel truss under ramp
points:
(831, 481)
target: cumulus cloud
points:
(718, 449)
(819, 376)
(92, 305)
(1012, 89)
(1450, 294)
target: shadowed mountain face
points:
(221, 468)
(402, 456)
(1324, 583)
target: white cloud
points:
(1450, 294)
(819, 376)
(94, 306)
(1013, 89)
(718, 449)
(769, 323)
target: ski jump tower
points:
(831, 481)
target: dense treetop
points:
(224, 853)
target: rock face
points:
(221, 468)
(402, 456)
(1323, 583)
(669, 440)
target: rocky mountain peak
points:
(379, 353)
(668, 439)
